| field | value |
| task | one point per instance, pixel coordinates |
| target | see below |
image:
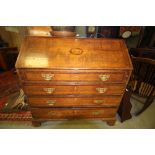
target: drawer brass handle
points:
(95, 112)
(51, 102)
(99, 101)
(104, 77)
(47, 77)
(49, 90)
(101, 90)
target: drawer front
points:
(64, 102)
(95, 113)
(73, 90)
(46, 113)
(78, 77)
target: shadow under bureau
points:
(73, 78)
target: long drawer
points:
(74, 90)
(106, 101)
(79, 77)
(47, 113)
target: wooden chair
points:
(142, 80)
(141, 83)
(143, 52)
(125, 106)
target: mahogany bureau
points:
(73, 78)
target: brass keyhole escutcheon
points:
(104, 77)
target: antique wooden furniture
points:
(9, 83)
(8, 56)
(70, 78)
(147, 37)
(143, 52)
(143, 80)
(108, 31)
(39, 30)
(140, 81)
(63, 31)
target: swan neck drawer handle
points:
(98, 101)
(51, 102)
(51, 113)
(49, 90)
(96, 113)
(47, 77)
(101, 90)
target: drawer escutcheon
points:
(101, 90)
(104, 77)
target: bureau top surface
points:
(73, 53)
